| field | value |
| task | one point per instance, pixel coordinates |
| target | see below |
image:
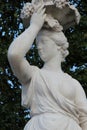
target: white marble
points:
(57, 101)
(54, 8)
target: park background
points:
(12, 115)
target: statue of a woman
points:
(57, 101)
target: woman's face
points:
(47, 48)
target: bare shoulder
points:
(77, 86)
(74, 81)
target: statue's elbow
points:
(11, 54)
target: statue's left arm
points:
(81, 103)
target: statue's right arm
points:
(21, 45)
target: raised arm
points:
(20, 46)
(81, 103)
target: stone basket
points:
(59, 15)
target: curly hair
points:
(59, 39)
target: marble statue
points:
(57, 101)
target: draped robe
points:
(50, 110)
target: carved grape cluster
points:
(50, 20)
(60, 3)
(27, 10)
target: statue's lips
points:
(41, 53)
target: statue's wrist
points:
(35, 27)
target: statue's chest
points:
(63, 85)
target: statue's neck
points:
(53, 65)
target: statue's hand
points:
(38, 17)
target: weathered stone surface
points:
(58, 11)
